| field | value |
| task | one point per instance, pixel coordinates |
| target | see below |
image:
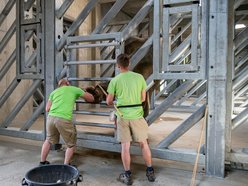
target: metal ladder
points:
(111, 41)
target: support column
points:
(49, 47)
(58, 34)
(220, 57)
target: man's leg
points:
(69, 134)
(146, 153)
(126, 160)
(125, 155)
(45, 150)
(68, 155)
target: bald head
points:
(63, 82)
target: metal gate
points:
(185, 43)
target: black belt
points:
(123, 106)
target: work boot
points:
(150, 175)
(44, 163)
(125, 178)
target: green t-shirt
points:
(127, 88)
(63, 100)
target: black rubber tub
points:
(59, 175)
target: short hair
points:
(123, 60)
(63, 82)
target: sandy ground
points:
(100, 168)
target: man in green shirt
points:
(59, 121)
(129, 88)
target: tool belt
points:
(124, 106)
(143, 105)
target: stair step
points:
(96, 137)
(94, 124)
(90, 79)
(91, 113)
(90, 62)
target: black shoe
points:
(44, 163)
(73, 165)
(127, 179)
(150, 175)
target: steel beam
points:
(240, 38)
(95, 137)
(165, 88)
(90, 79)
(167, 154)
(243, 90)
(156, 38)
(91, 113)
(31, 60)
(20, 104)
(180, 50)
(238, 157)
(191, 92)
(195, 36)
(221, 17)
(241, 62)
(6, 10)
(177, 1)
(34, 117)
(94, 37)
(9, 91)
(138, 18)
(7, 36)
(8, 64)
(169, 101)
(140, 54)
(50, 27)
(183, 128)
(82, 16)
(62, 9)
(245, 104)
(241, 47)
(240, 79)
(239, 119)
(201, 97)
(28, 4)
(49, 46)
(90, 62)
(93, 45)
(109, 16)
(238, 3)
(34, 135)
(94, 124)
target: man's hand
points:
(48, 105)
(110, 99)
(88, 97)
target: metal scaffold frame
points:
(191, 58)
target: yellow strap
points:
(198, 149)
(119, 112)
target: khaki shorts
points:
(58, 126)
(132, 130)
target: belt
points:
(124, 106)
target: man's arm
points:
(48, 105)
(110, 99)
(143, 95)
(88, 97)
